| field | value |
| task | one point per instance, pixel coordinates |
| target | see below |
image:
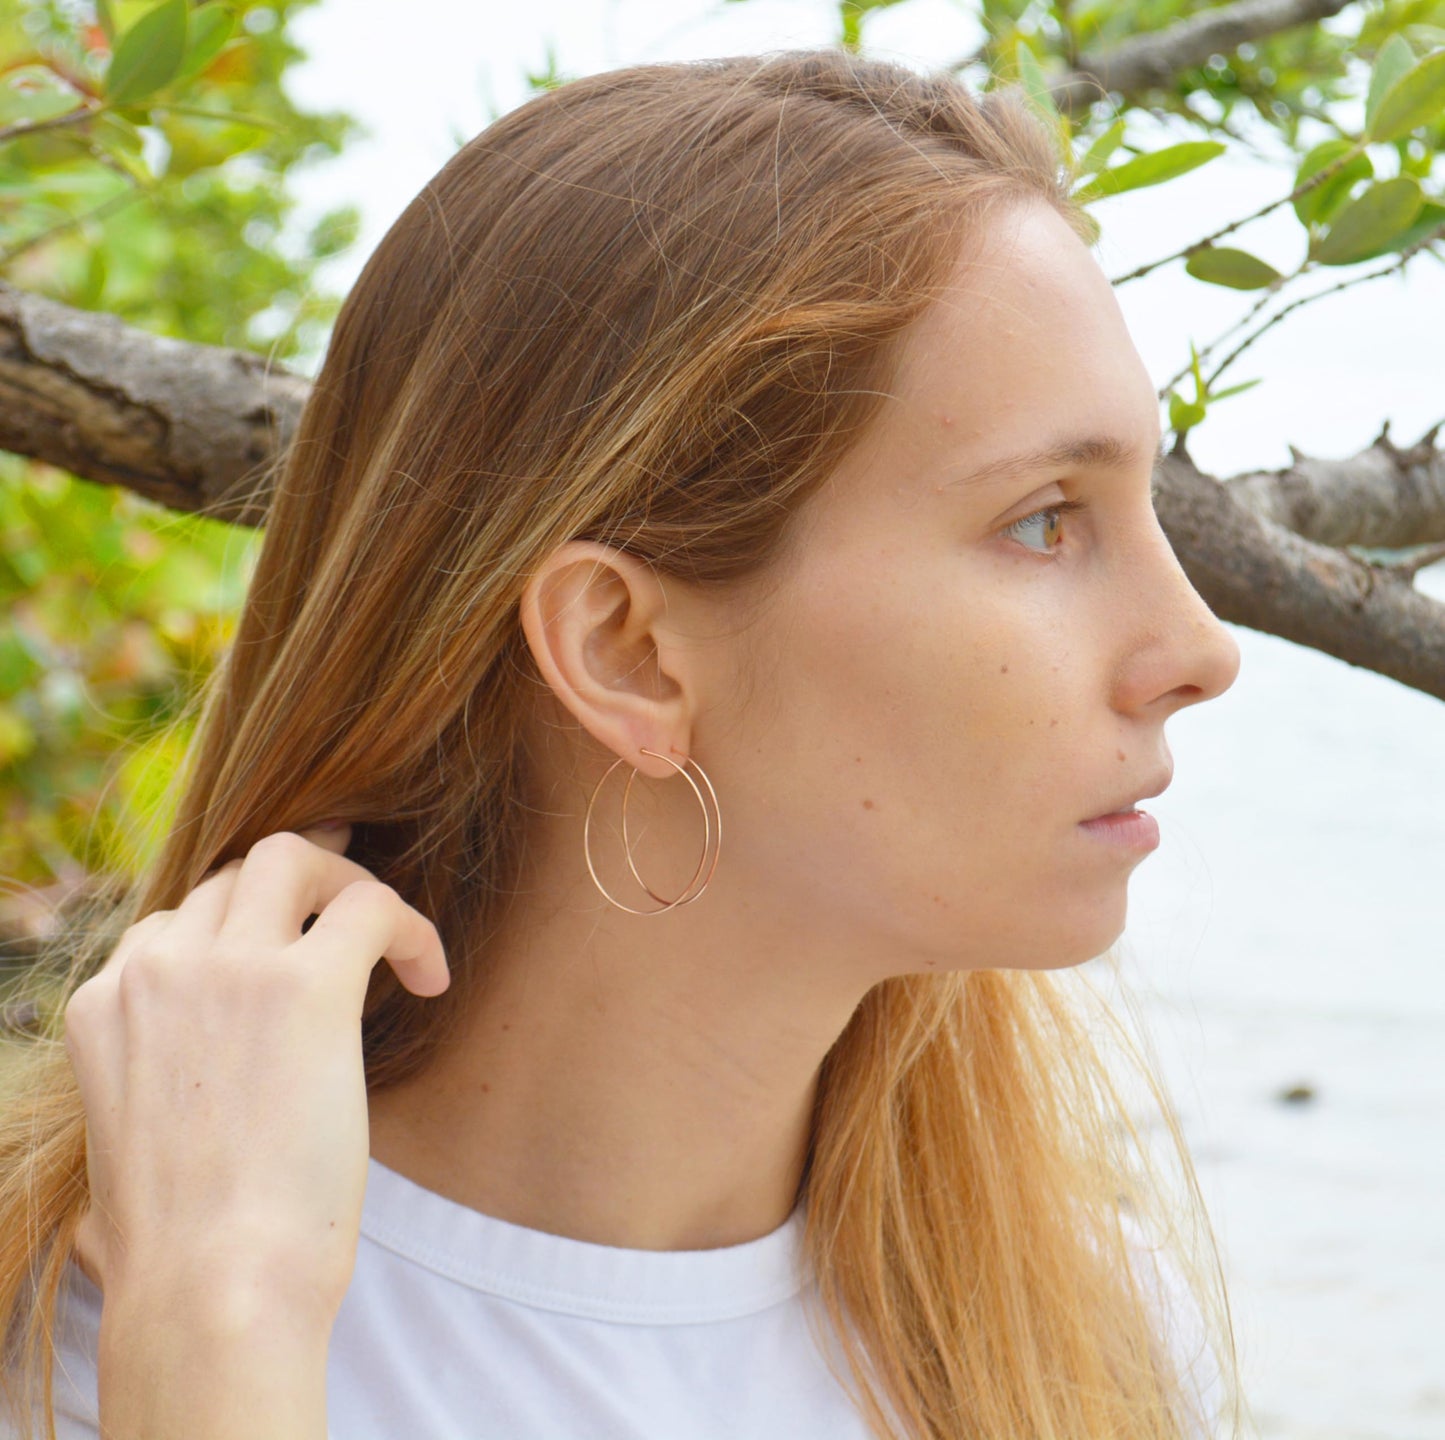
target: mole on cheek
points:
(868, 805)
(1121, 755)
(1003, 669)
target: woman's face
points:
(952, 676)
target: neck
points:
(643, 1083)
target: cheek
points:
(909, 769)
(901, 722)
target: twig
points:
(21, 128)
(1219, 339)
(99, 212)
(1318, 178)
(1411, 566)
(1406, 255)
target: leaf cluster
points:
(1368, 189)
(148, 161)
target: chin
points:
(1084, 942)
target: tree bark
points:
(194, 427)
(200, 428)
(1384, 497)
(1254, 572)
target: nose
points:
(1186, 654)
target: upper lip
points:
(1158, 787)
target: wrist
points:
(233, 1278)
(213, 1309)
(217, 1357)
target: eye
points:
(1050, 522)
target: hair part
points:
(651, 308)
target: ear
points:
(597, 622)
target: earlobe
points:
(590, 616)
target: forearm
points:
(228, 1365)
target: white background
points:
(1289, 928)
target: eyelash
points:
(1064, 507)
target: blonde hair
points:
(652, 307)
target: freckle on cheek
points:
(1052, 723)
(1003, 669)
(1121, 755)
(868, 805)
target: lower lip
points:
(1137, 829)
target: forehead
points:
(1025, 343)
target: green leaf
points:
(30, 92)
(210, 28)
(1150, 169)
(1184, 414)
(1327, 197)
(148, 56)
(17, 735)
(1237, 269)
(1370, 225)
(1395, 58)
(105, 18)
(18, 664)
(1036, 86)
(1430, 218)
(1097, 155)
(1232, 390)
(117, 136)
(1415, 99)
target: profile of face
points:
(949, 674)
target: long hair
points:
(653, 308)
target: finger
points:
(137, 933)
(367, 922)
(204, 908)
(284, 878)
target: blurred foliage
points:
(148, 154)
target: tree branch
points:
(1152, 60)
(197, 427)
(1259, 574)
(193, 427)
(1383, 497)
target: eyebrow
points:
(1097, 450)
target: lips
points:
(1130, 801)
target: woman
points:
(681, 427)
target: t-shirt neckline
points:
(579, 1277)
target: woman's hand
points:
(218, 1055)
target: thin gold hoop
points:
(707, 843)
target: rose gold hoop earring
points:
(707, 843)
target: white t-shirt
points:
(460, 1326)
